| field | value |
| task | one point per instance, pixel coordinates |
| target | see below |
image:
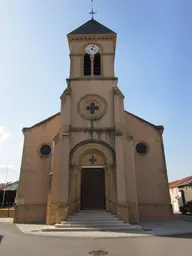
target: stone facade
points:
(93, 130)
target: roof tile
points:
(180, 182)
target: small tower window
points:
(45, 150)
(141, 148)
(97, 64)
(87, 65)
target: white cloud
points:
(3, 135)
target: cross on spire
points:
(92, 11)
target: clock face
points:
(92, 49)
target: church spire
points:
(92, 11)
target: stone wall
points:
(7, 213)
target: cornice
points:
(82, 54)
(117, 91)
(91, 78)
(93, 36)
(86, 129)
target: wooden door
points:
(92, 189)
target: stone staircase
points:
(92, 221)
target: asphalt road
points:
(17, 244)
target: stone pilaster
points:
(121, 183)
(60, 180)
(113, 191)
(119, 123)
(60, 164)
(73, 197)
(131, 181)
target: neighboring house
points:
(187, 184)
(175, 187)
(2, 185)
(8, 194)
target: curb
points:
(87, 235)
(174, 234)
(102, 235)
(37, 231)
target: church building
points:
(93, 154)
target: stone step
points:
(86, 221)
(92, 225)
(68, 229)
(74, 218)
(92, 221)
(94, 211)
(106, 214)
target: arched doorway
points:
(92, 189)
(92, 181)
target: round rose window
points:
(92, 107)
(141, 148)
(45, 150)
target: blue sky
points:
(153, 63)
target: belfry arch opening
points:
(92, 65)
(97, 64)
(87, 65)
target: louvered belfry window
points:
(87, 65)
(97, 64)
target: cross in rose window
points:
(92, 108)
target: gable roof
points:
(172, 182)
(2, 185)
(185, 181)
(158, 127)
(40, 123)
(11, 186)
(91, 27)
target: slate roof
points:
(91, 27)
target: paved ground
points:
(187, 217)
(153, 228)
(181, 225)
(16, 243)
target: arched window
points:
(97, 64)
(87, 65)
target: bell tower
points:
(92, 51)
(92, 120)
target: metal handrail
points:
(69, 204)
(119, 205)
